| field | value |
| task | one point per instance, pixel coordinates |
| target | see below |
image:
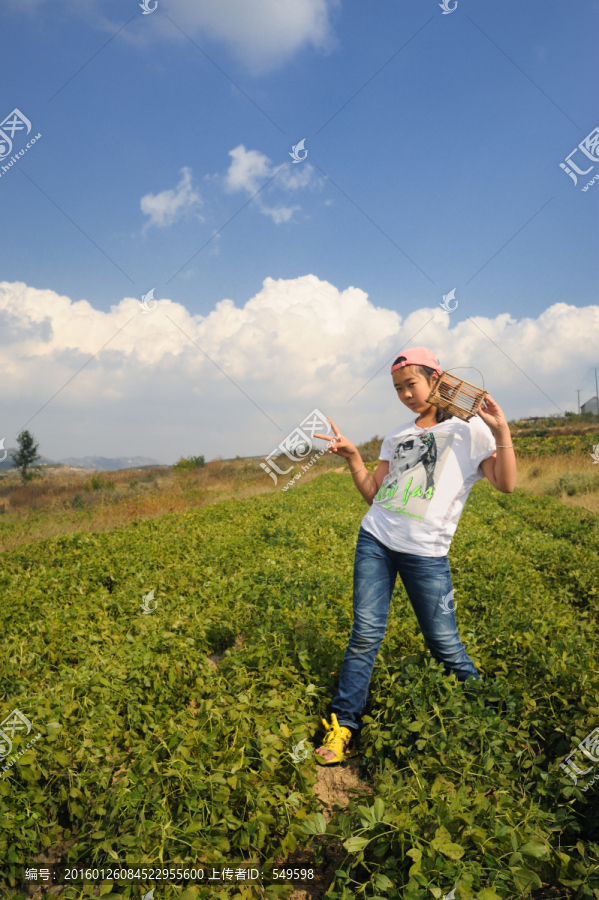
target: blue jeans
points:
(427, 579)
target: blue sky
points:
(441, 173)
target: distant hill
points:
(100, 463)
(7, 463)
(109, 464)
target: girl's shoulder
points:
(453, 424)
(406, 428)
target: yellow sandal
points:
(334, 739)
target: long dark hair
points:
(441, 415)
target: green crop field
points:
(549, 445)
(150, 755)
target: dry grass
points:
(539, 475)
(66, 500)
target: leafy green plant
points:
(98, 484)
(554, 445)
(151, 753)
(220, 638)
(190, 462)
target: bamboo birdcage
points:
(457, 396)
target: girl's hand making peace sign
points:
(340, 445)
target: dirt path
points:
(334, 787)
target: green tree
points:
(189, 463)
(26, 456)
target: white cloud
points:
(263, 34)
(167, 207)
(295, 176)
(279, 213)
(297, 344)
(249, 171)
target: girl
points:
(416, 494)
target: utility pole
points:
(578, 390)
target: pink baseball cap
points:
(418, 356)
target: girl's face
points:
(412, 390)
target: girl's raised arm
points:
(367, 484)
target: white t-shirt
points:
(431, 472)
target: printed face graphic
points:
(406, 455)
(415, 467)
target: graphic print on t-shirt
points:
(415, 468)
